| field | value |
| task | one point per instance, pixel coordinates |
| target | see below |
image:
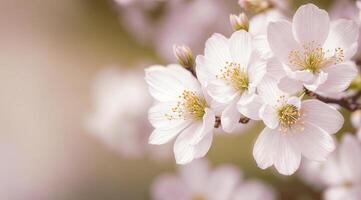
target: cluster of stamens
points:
(235, 76)
(188, 105)
(313, 57)
(288, 114)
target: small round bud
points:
(254, 6)
(184, 55)
(239, 22)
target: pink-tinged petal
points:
(314, 143)
(183, 150)
(269, 92)
(256, 68)
(184, 77)
(317, 81)
(246, 98)
(230, 117)
(207, 127)
(254, 190)
(281, 40)
(260, 43)
(269, 116)
(263, 150)
(240, 46)
(275, 69)
(296, 101)
(311, 24)
(289, 85)
(343, 193)
(301, 75)
(169, 186)
(195, 174)
(343, 34)
(222, 182)
(157, 116)
(217, 50)
(322, 115)
(251, 110)
(339, 78)
(287, 157)
(350, 159)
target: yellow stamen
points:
(235, 76)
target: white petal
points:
(317, 81)
(314, 143)
(202, 70)
(202, 148)
(322, 115)
(162, 136)
(350, 159)
(296, 101)
(157, 116)
(263, 149)
(246, 98)
(339, 78)
(221, 92)
(183, 150)
(207, 126)
(217, 50)
(280, 39)
(275, 69)
(289, 85)
(184, 76)
(260, 43)
(240, 46)
(269, 116)
(287, 157)
(311, 24)
(251, 110)
(256, 68)
(230, 118)
(269, 92)
(343, 34)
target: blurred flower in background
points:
(119, 119)
(198, 181)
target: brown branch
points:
(350, 103)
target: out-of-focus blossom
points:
(199, 17)
(341, 173)
(348, 9)
(197, 181)
(230, 70)
(119, 118)
(181, 110)
(309, 172)
(314, 52)
(259, 6)
(356, 119)
(293, 128)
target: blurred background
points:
(58, 140)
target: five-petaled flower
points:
(181, 108)
(314, 52)
(293, 128)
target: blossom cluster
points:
(285, 74)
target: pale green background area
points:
(50, 53)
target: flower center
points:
(313, 57)
(189, 105)
(235, 76)
(198, 197)
(288, 115)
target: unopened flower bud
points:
(239, 22)
(254, 6)
(184, 55)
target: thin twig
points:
(350, 103)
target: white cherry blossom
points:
(294, 128)
(230, 70)
(180, 110)
(313, 51)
